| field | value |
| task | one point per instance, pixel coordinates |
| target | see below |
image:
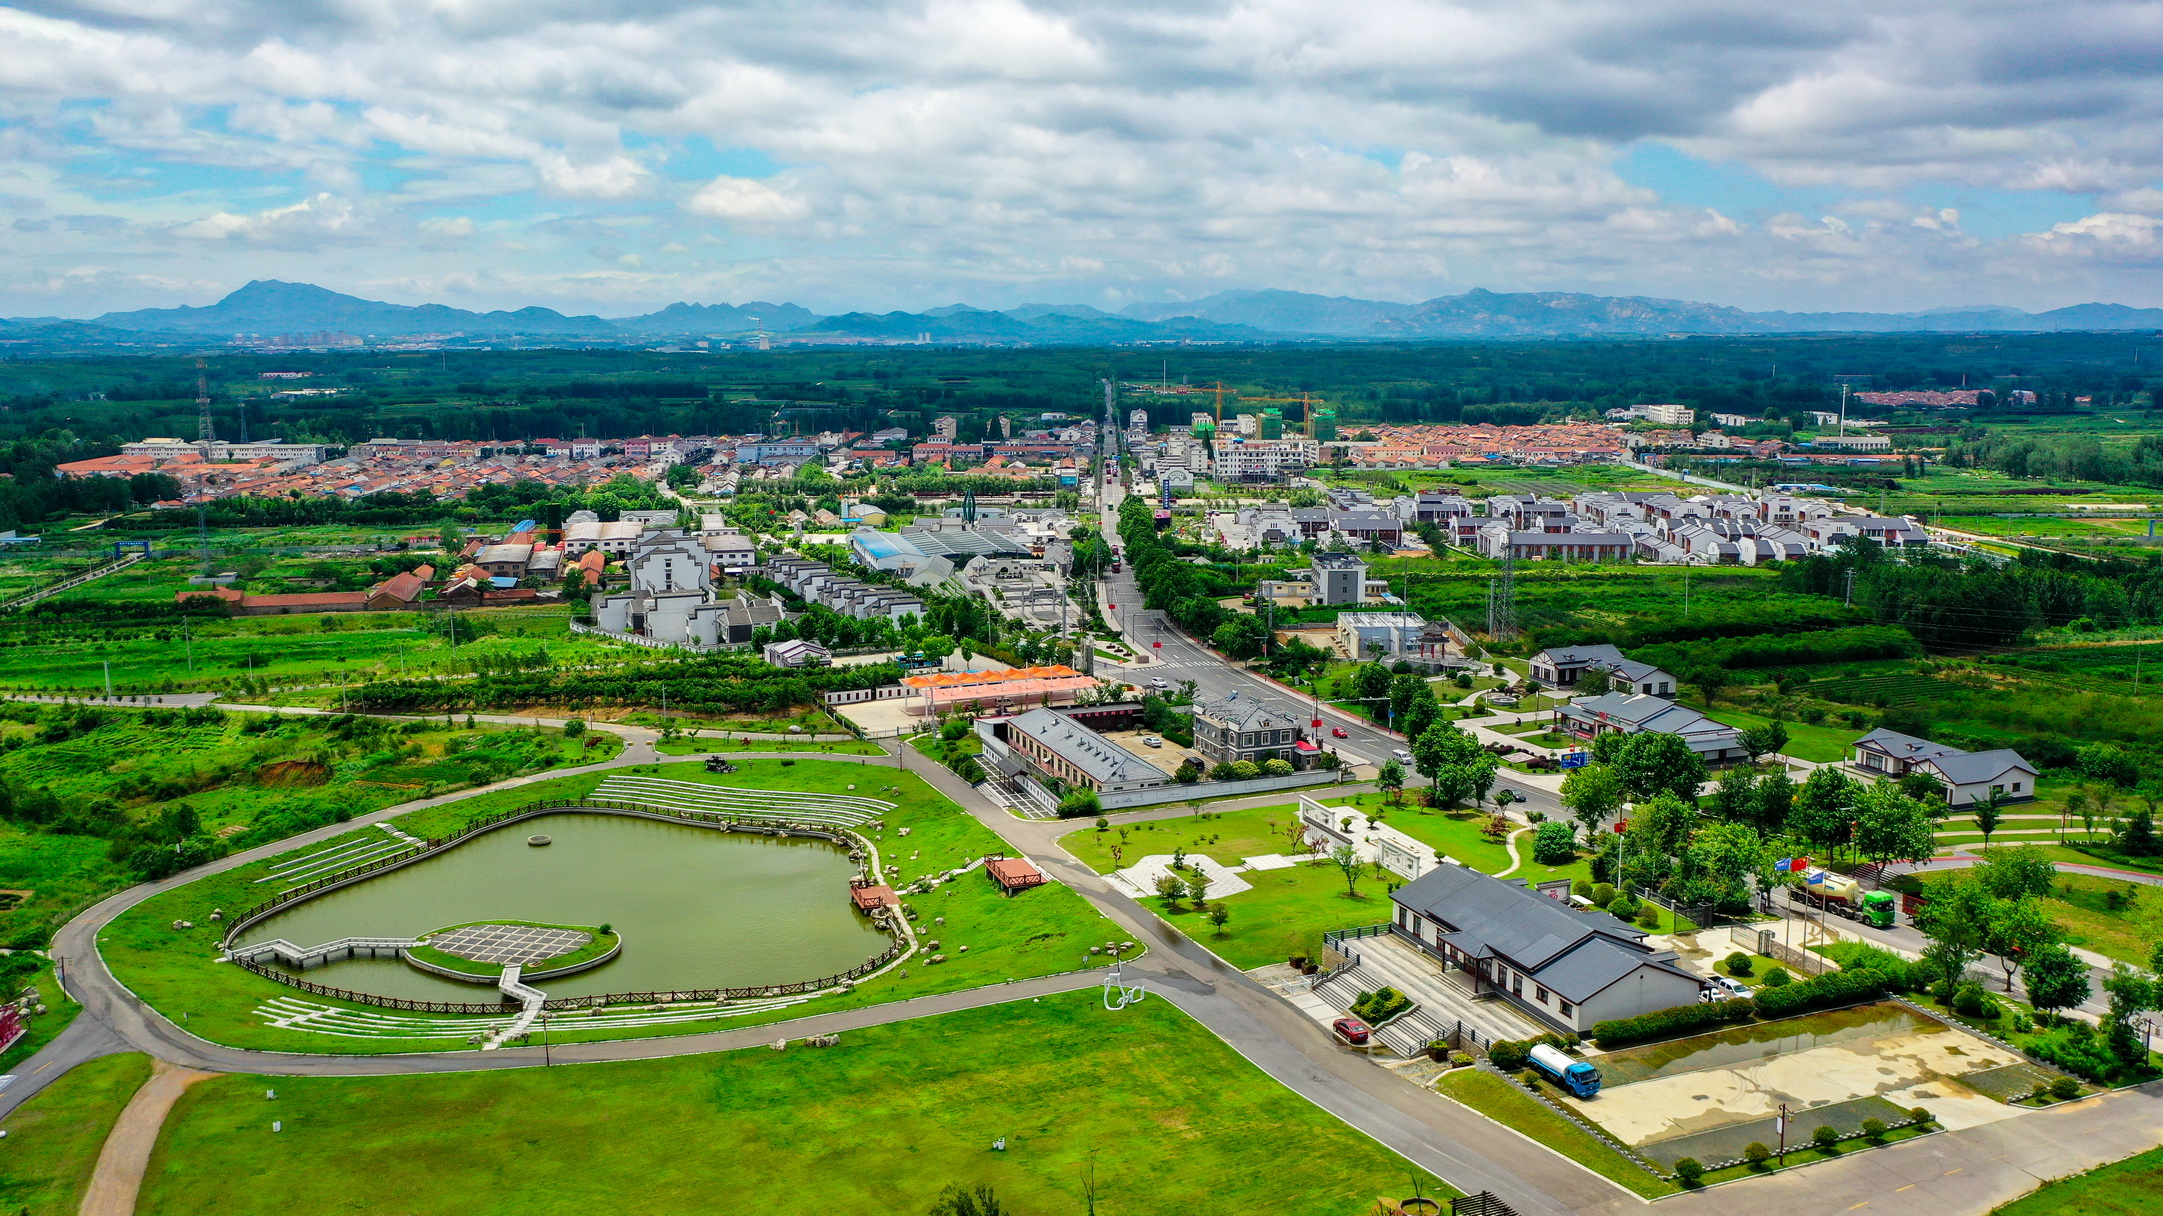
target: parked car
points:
(1339, 732)
(1351, 1030)
(1721, 988)
(1153, 740)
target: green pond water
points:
(696, 908)
(1745, 1043)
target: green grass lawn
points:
(1818, 744)
(2123, 931)
(1042, 931)
(53, 1140)
(1288, 910)
(1168, 1117)
(2132, 1187)
(1497, 1099)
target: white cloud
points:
(932, 149)
(744, 200)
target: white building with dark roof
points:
(1968, 777)
(1567, 968)
(1060, 746)
(1620, 713)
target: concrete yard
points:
(1709, 1095)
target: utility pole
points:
(108, 679)
(1847, 596)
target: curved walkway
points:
(126, 1155)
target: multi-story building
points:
(1242, 459)
(1339, 578)
(1239, 728)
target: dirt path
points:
(126, 1154)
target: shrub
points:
(1622, 907)
(1603, 894)
(1825, 1137)
(1921, 1115)
(1856, 956)
(1459, 1059)
(1648, 917)
(574, 728)
(1080, 804)
(1874, 1129)
(1583, 887)
(1777, 977)
(1506, 1054)
(1380, 1005)
(2064, 1088)
(1757, 1153)
(1665, 1023)
(1276, 768)
(1835, 988)
(1530, 1077)
(1554, 844)
(1738, 964)
(1969, 1000)
(2078, 1048)
(1688, 1171)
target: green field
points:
(2132, 1187)
(1163, 1114)
(1503, 1102)
(1288, 910)
(1819, 744)
(1043, 931)
(248, 779)
(53, 1139)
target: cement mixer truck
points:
(1843, 896)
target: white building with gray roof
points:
(1567, 968)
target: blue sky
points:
(861, 154)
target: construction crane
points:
(1305, 401)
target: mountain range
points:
(268, 308)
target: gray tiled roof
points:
(1575, 954)
(1976, 768)
(1085, 749)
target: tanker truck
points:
(1843, 896)
(1576, 1076)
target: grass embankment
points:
(1166, 1116)
(53, 1139)
(1039, 932)
(1287, 911)
(1503, 1102)
(705, 746)
(2132, 1187)
(1818, 744)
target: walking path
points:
(119, 1173)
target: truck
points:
(1576, 1076)
(1843, 896)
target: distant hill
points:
(683, 318)
(269, 307)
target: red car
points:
(1351, 1030)
(1338, 732)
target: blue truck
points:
(1576, 1076)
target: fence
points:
(1483, 1204)
(892, 952)
(1701, 915)
(500, 818)
(1801, 960)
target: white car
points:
(1152, 740)
(1160, 682)
(1721, 988)
(1403, 756)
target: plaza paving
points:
(509, 945)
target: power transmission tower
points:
(1504, 624)
(204, 431)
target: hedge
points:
(1662, 1023)
(1832, 988)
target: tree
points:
(1890, 826)
(1723, 864)
(1824, 808)
(1554, 844)
(2019, 930)
(1420, 713)
(1218, 914)
(1242, 637)
(1651, 763)
(1916, 783)
(1372, 682)
(1775, 799)
(1957, 921)
(1593, 795)
(2019, 871)
(1391, 780)
(1346, 859)
(2139, 838)
(1198, 888)
(2056, 979)
(1709, 681)
(1734, 796)
(980, 1201)
(1171, 891)
(1988, 814)
(1401, 691)
(1764, 740)
(2131, 994)
(1594, 682)
(1441, 755)
(2076, 806)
